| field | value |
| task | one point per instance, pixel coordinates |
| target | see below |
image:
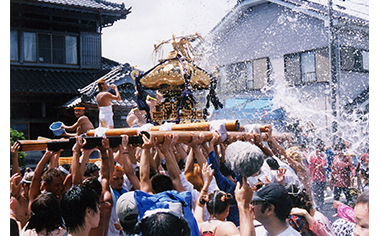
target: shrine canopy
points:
(251, 111)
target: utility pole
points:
(333, 52)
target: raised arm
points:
(243, 195)
(117, 96)
(104, 170)
(127, 164)
(196, 140)
(54, 161)
(170, 140)
(14, 153)
(202, 198)
(258, 141)
(279, 151)
(145, 183)
(75, 165)
(37, 177)
(189, 164)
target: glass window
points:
(365, 56)
(29, 46)
(58, 49)
(308, 67)
(71, 50)
(44, 48)
(250, 75)
(14, 45)
(292, 68)
(260, 73)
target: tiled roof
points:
(323, 9)
(44, 80)
(118, 75)
(48, 80)
(91, 4)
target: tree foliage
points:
(14, 136)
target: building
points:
(55, 49)
(280, 49)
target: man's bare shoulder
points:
(83, 118)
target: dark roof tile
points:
(95, 4)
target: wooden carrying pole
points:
(202, 126)
(186, 137)
(33, 145)
(262, 129)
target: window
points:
(71, 50)
(353, 59)
(90, 50)
(306, 67)
(292, 68)
(57, 49)
(14, 45)
(30, 53)
(45, 48)
(365, 58)
(236, 75)
(260, 73)
(244, 76)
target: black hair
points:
(281, 212)
(74, 205)
(299, 198)
(225, 170)
(14, 231)
(152, 172)
(161, 183)
(50, 174)
(272, 163)
(217, 202)
(66, 166)
(45, 213)
(90, 168)
(162, 224)
(129, 223)
(94, 184)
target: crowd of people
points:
(189, 189)
(199, 188)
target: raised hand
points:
(280, 177)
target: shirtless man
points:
(81, 126)
(136, 117)
(19, 189)
(104, 103)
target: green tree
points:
(16, 135)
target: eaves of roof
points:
(54, 80)
(42, 80)
(98, 6)
(303, 6)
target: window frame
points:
(357, 59)
(14, 45)
(297, 58)
(50, 49)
